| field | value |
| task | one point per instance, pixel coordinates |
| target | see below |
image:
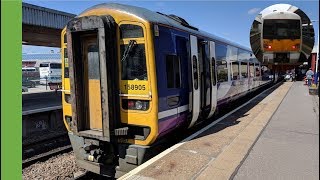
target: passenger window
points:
(243, 55)
(222, 71)
(55, 66)
(244, 70)
(251, 69)
(235, 70)
(221, 52)
(173, 71)
(264, 71)
(257, 70)
(44, 65)
(130, 31)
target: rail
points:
(39, 110)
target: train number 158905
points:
(134, 87)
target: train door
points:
(204, 72)
(194, 96)
(213, 73)
(92, 67)
(91, 79)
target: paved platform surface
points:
(219, 150)
(288, 148)
(38, 89)
(40, 101)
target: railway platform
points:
(272, 136)
(288, 148)
(41, 111)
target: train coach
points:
(132, 76)
(281, 37)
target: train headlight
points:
(131, 104)
(138, 105)
(267, 46)
(297, 46)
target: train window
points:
(133, 67)
(173, 71)
(232, 53)
(257, 70)
(130, 31)
(65, 38)
(221, 52)
(243, 55)
(264, 71)
(66, 64)
(244, 69)
(195, 72)
(281, 29)
(235, 70)
(55, 65)
(251, 69)
(44, 65)
(213, 71)
(29, 70)
(222, 71)
(93, 62)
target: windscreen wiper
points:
(128, 49)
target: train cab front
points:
(113, 113)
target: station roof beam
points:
(42, 26)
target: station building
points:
(34, 59)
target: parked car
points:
(28, 83)
(24, 89)
(30, 76)
(50, 79)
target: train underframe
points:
(109, 159)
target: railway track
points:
(43, 140)
(44, 149)
(45, 156)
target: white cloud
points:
(253, 11)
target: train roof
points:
(281, 15)
(159, 18)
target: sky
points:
(228, 19)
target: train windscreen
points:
(133, 61)
(281, 29)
